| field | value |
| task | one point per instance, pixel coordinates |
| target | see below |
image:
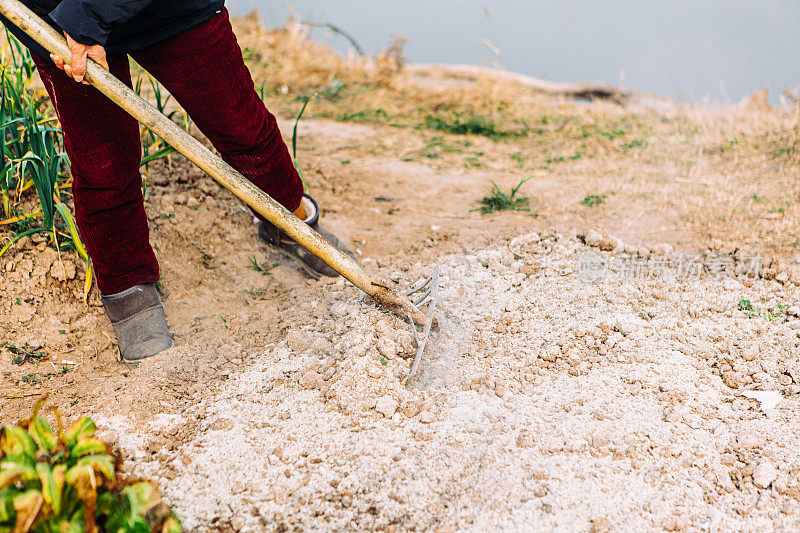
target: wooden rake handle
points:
(27, 21)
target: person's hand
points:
(80, 52)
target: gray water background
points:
(699, 51)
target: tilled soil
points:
(553, 396)
(547, 401)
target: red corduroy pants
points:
(203, 70)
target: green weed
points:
(25, 353)
(497, 200)
(634, 144)
(255, 293)
(593, 200)
(261, 268)
(333, 92)
(746, 306)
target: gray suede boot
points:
(139, 322)
(313, 265)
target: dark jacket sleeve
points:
(90, 21)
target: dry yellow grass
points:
(730, 174)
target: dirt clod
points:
(764, 474)
(387, 406)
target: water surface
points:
(696, 50)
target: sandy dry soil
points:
(554, 396)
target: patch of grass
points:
(474, 161)
(365, 116)
(780, 209)
(615, 133)
(786, 147)
(724, 147)
(467, 124)
(37, 378)
(333, 92)
(563, 158)
(519, 160)
(255, 293)
(634, 144)
(436, 147)
(497, 200)
(593, 200)
(262, 268)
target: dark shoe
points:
(139, 322)
(313, 265)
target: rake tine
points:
(426, 334)
(419, 286)
(422, 297)
(416, 335)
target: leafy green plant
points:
(752, 311)
(746, 306)
(17, 70)
(67, 481)
(497, 200)
(33, 156)
(25, 353)
(593, 200)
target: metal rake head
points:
(424, 293)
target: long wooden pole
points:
(27, 21)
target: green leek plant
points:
(296, 162)
(33, 156)
(153, 147)
(16, 70)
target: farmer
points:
(189, 46)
